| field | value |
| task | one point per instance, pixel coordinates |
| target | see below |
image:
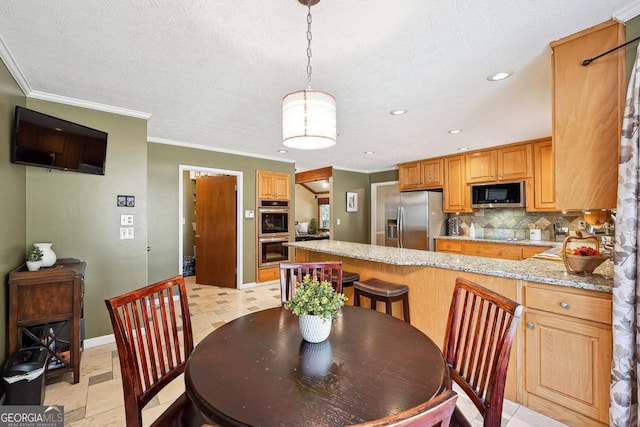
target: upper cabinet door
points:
(588, 104)
(421, 175)
(544, 186)
(510, 163)
(515, 162)
(273, 185)
(456, 194)
(481, 166)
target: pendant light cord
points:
(309, 37)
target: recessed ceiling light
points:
(398, 112)
(369, 152)
(463, 148)
(454, 131)
(282, 151)
(499, 76)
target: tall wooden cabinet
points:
(588, 104)
(456, 193)
(568, 353)
(544, 173)
(45, 308)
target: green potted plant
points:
(34, 259)
(313, 226)
(316, 304)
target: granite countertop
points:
(531, 269)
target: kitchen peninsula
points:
(565, 315)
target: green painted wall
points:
(163, 176)
(78, 213)
(354, 226)
(384, 176)
(12, 193)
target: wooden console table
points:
(45, 308)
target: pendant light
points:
(308, 116)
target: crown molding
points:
(628, 12)
(12, 66)
(88, 104)
(164, 141)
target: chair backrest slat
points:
(151, 346)
(480, 332)
(292, 273)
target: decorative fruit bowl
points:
(583, 259)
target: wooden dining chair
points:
(477, 344)
(293, 272)
(154, 338)
(435, 412)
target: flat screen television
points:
(42, 140)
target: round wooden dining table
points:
(258, 371)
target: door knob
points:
(529, 325)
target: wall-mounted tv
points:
(42, 140)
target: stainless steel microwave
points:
(498, 195)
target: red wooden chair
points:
(435, 412)
(153, 334)
(477, 344)
(293, 272)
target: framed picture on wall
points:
(352, 201)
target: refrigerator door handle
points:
(400, 225)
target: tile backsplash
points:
(514, 223)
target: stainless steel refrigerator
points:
(413, 219)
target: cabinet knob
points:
(564, 304)
(529, 325)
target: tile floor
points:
(97, 399)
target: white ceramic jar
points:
(48, 255)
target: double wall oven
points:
(273, 232)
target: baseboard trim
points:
(98, 341)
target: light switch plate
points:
(126, 219)
(249, 214)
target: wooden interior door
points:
(216, 231)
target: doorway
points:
(234, 263)
(378, 227)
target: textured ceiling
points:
(212, 73)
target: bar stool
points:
(380, 290)
(348, 277)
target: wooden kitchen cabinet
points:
(45, 301)
(508, 163)
(273, 185)
(456, 193)
(421, 175)
(568, 353)
(450, 246)
(544, 188)
(510, 251)
(588, 105)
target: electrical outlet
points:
(126, 219)
(126, 233)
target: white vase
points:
(34, 265)
(314, 328)
(48, 256)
